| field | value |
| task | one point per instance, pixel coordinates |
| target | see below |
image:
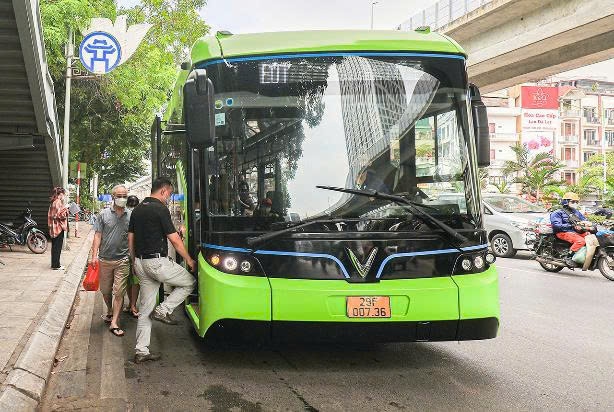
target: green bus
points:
(328, 181)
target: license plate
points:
(368, 306)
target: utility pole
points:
(70, 52)
(603, 123)
(65, 147)
(373, 3)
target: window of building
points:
(491, 128)
(569, 129)
(492, 154)
(609, 113)
(570, 178)
(496, 180)
(569, 153)
(609, 137)
(590, 114)
(587, 155)
(590, 136)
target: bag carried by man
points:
(92, 279)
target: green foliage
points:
(503, 186)
(424, 149)
(592, 171)
(111, 116)
(535, 173)
(58, 16)
(596, 218)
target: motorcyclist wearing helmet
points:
(565, 225)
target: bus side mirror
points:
(480, 126)
(198, 109)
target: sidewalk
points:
(35, 302)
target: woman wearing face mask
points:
(566, 225)
(57, 221)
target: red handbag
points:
(92, 279)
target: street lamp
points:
(373, 3)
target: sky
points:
(251, 16)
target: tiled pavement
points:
(27, 285)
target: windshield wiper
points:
(258, 240)
(412, 205)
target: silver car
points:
(509, 222)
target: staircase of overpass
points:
(30, 151)
(515, 41)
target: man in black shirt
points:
(150, 227)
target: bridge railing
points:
(442, 13)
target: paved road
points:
(555, 350)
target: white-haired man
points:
(110, 250)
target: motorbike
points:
(550, 252)
(25, 234)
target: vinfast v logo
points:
(362, 268)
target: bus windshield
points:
(396, 124)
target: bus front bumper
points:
(464, 307)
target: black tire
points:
(551, 268)
(502, 246)
(605, 270)
(37, 242)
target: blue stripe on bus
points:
(227, 248)
(301, 254)
(327, 54)
(282, 253)
(424, 253)
(336, 260)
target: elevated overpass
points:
(515, 41)
(30, 160)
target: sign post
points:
(104, 47)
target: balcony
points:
(571, 163)
(592, 119)
(570, 113)
(592, 142)
(504, 137)
(571, 139)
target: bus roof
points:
(235, 45)
(316, 41)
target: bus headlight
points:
(233, 263)
(246, 266)
(230, 264)
(477, 262)
(490, 258)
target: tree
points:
(533, 172)
(592, 172)
(111, 116)
(503, 186)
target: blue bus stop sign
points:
(100, 52)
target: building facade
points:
(572, 119)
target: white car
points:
(509, 221)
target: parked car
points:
(509, 221)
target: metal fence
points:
(442, 13)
